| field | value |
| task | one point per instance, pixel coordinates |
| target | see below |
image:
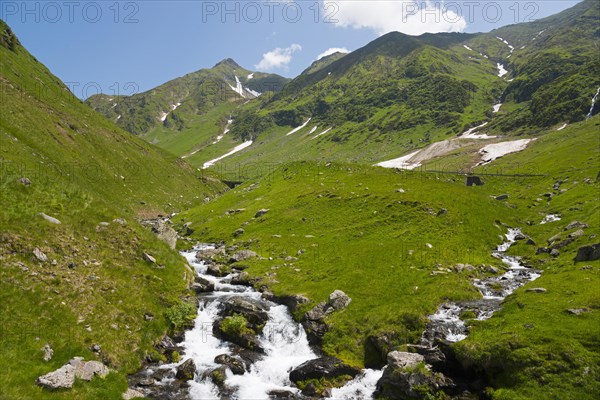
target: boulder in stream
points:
(407, 376)
(323, 367)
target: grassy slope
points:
(534, 348)
(83, 170)
(357, 234)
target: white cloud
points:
(331, 51)
(411, 17)
(277, 58)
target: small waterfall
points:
(593, 104)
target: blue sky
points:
(104, 45)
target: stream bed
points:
(284, 344)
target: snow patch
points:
(250, 76)
(497, 107)
(114, 105)
(494, 151)
(237, 148)
(563, 126)
(467, 47)
(253, 92)
(118, 117)
(470, 134)
(322, 133)
(501, 70)
(401, 162)
(239, 89)
(298, 128)
(163, 116)
(313, 130)
(229, 122)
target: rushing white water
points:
(284, 341)
(594, 99)
(446, 321)
(359, 388)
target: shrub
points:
(181, 315)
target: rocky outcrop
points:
(474, 181)
(165, 233)
(588, 253)
(242, 255)
(236, 366)
(186, 370)
(261, 212)
(64, 377)
(132, 394)
(407, 376)
(202, 285)
(254, 311)
(314, 320)
(576, 225)
(323, 367)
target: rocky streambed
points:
(245, 344)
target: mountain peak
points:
(229, 62)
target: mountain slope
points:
(188, 113)
(553, 66)
(400, 243)
(81, 281)
(401, 93)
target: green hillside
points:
(61, 284)
(187, 114)
(401, 93)
(394, 252)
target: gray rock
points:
(402, 359)
(588, 253)
(293, 302)
(62, 378)
(254, 311)
(236, 366)
(186, 370)
(402, 380)
(148, 258)
(576, 225)
(120, 221)
(86, 370)
(48, 352)
(536, 290)
(50, 219)
(502, 197)
(577, 234)
(474, 181)
(202, 285)
(238, 232)
(339, 300)
(577, 311)
(554, 252)
(24, 181)
(165, 233)
(323, 367)
(216, 270)
(243, 255)
(261, 212)
(40, 255)
(132, 394)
